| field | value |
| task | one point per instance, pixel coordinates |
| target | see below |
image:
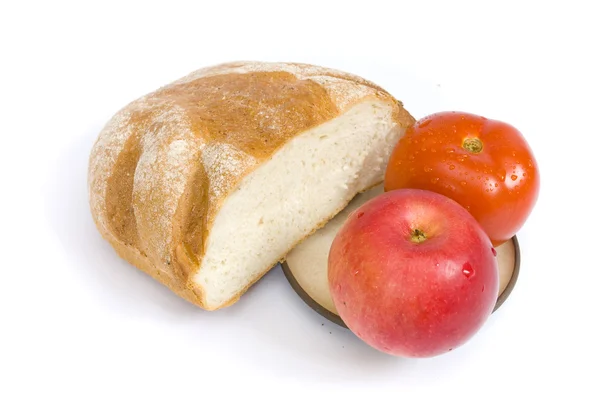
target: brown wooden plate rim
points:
(338, 320)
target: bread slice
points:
(208, 182)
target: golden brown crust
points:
(119, 189)
(255, 112)
(164, 164)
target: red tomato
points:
(485, 165)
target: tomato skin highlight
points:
(485, 165)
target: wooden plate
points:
(306, 266)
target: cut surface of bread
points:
(302, 186)
(206, 183)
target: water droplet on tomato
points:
(427, 169)
(411, 157)
(494, 251)
(355, 272)
(501, 173)
(468, 270)
(434, 180)
(449, 150)
(513, 177)
(496, 185)
(463, 183)
(452, 167)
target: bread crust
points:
(164, 164)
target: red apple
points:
(413, 274)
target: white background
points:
(78, 323)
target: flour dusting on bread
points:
(168, 152)
(222, 162)
(109, 144)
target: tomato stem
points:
(473, 145)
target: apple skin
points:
(406, 298)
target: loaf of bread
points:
(208, 182)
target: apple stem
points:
(417, 236)
(473, 145)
